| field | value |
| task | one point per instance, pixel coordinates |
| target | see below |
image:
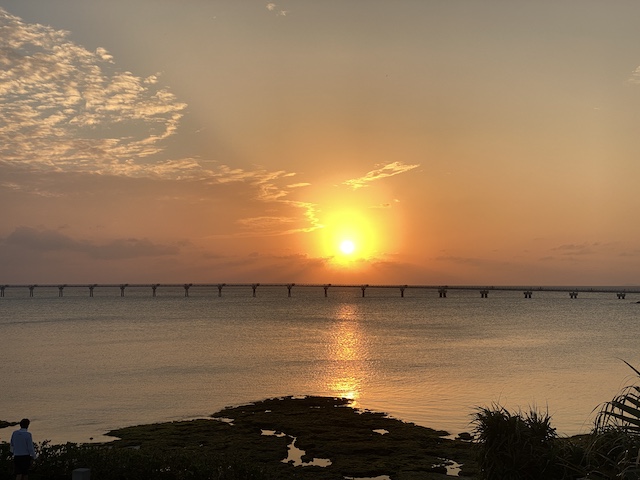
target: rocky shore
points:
(317, 437)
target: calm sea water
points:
(80, 366)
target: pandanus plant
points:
(623, 411)
(614, 450)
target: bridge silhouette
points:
(441, 290)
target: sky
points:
(426, 142)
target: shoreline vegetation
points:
(325, 438)
(308, 437)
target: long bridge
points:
(442, 290)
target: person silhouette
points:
(21, 447)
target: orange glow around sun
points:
(348, 236)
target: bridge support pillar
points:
(122, 287)
(220, 285)
(528, 293)
(573, 294)
(154, 287)
(289, 287)
(326, 290)
(60, 289)
(442, 292)
(186, 288)
(254, 286)
(2, 290)
(484, 293)
(31, 288)
(402, 289)
(363, 288)
(621, 295)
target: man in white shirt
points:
(22, 448)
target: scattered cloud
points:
(389, 170)
(272, 7)
(44, 240)
(68, 110)
(66, 107)
(635, 77)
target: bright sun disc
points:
(347, 247)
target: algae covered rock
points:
(313, 437)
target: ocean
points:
(80, 366)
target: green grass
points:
(514, 446)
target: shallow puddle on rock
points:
(295, 458)
(381, 477)
(453, 468)
(224, 420)
(295, 454)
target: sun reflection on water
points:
(347, 354)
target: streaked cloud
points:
(389, 170)
(44, 240)
(577, 248)
(265, 225)
(476, 262)
(271, 226)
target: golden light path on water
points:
(347, 353)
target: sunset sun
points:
(349, 238)
(347, 247)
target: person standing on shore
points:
(22, 448)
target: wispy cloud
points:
(62, 103)
(272, 7)
(635, 77)
(69, 110)
(272, 226)
(385, 171)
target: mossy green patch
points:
(324, 428)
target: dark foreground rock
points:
(349, 443)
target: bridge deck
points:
(441, 289)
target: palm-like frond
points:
(623, 411)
